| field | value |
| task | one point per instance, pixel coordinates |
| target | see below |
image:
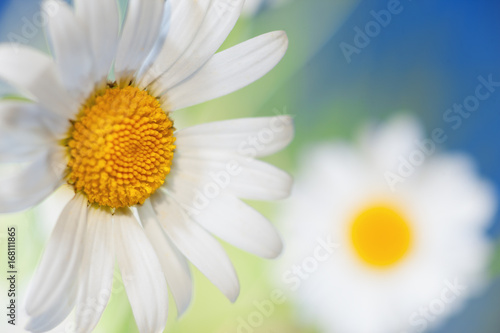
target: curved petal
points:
(218, 23)
(102, 24)
(251, 137)
(69, 45)
(23, 117)
(36, 73)
(185, 21)
(141, 272)
(22, 132)
(234, 222)
(54, 317)
(160, 41)
(140, 32)
(28, 116)
(33, 184)
(51, 295)
(175, 266)
(247, 178)
(227, 71)
(397, 138)
(197, 245)
(96, 275)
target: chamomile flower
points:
(399, 261)
(114, 143)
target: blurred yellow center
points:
(381, 237)
(120, 148)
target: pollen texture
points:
(120, 148)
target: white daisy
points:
(114, 143)
(366, 259)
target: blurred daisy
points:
(114, 143)
(366, 259)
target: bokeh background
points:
(428, 58)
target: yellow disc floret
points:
(120, 148)
(381, 236)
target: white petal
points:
(175, 266)
(69, 45)
(141, 30)
(141, 273)
(244, 177)
(28, 116)
(23, 117)
(55, 317)
(185, 21)
(197, 245)
(22, 132)
(35, 73)
(158, 45)
(240, 225)
(218, 23)
(251, 137)
(18, 147)
(228, 71)
(96, 276)
(33, 184)
(51, 295)
(102, 25)
(385, 145)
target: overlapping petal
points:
(216, 26)
(141, 273)
(33, 183)
(227, 71)
(197, 245)
(97, 266)
(101, 22)
(22, 135)
(250, 137)
(36, 74)
(140, 31)
(174, 265)
(69, 45)
(52, 293)
(185, 21)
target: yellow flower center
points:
(381, 236)
(120, 148)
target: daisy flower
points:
(114, 143)
(373, 260)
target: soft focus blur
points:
(426, 59)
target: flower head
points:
(100, 120)
(373, 260)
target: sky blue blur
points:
(480, 314)
(2, 4)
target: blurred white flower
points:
(400, 261)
